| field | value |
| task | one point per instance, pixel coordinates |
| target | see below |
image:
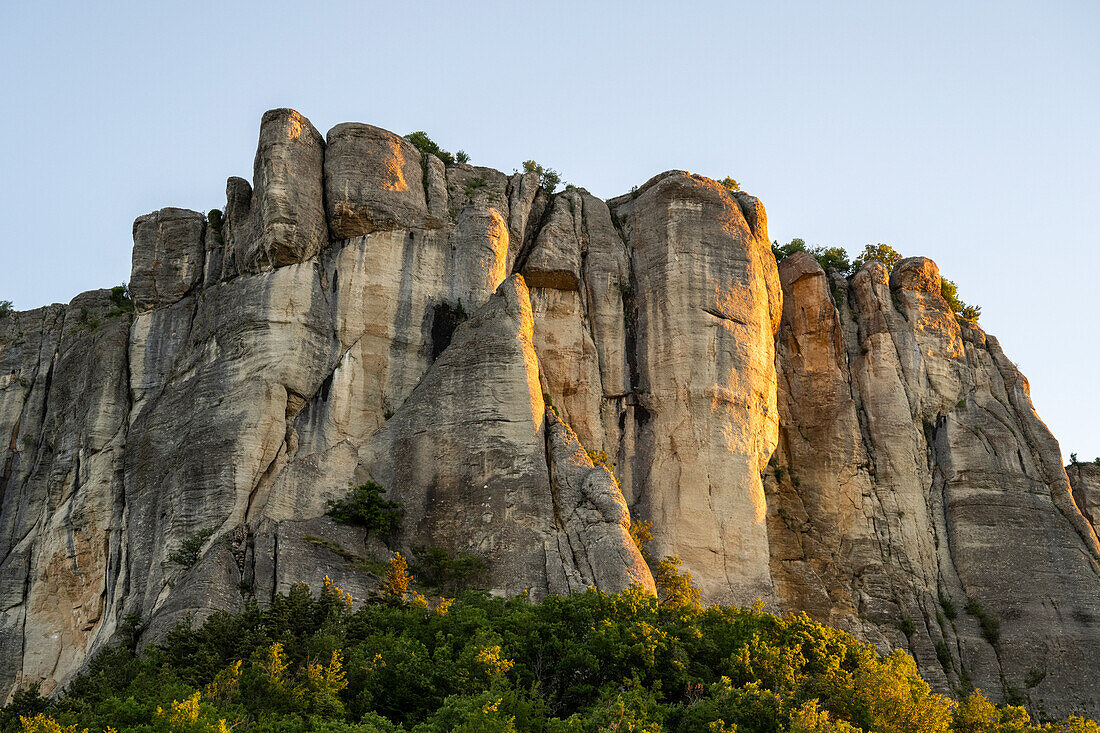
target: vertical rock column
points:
(281, 219)
(707, 304)
(60, 484)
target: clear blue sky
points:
(964, 131)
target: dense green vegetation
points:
(439, 570)
(5, 308)
(365, 507)
(835, 259)
(585, 662)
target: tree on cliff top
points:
(548, 177)
(428, 146)
(835, 259)
(883, 253)
(831, 259)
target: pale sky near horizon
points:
(968, 132)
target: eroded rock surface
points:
(705, 303)
(482, 466)
(914, 490)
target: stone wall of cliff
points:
(365, 312)
(917, 500)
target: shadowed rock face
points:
(365, 312)
(914, 479)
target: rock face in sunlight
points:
(916, 499)
(705, 306)
(486, 351)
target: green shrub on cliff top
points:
(831, 259)
(835, 259)
(428, 146)
(950, 293)
(883, 253)
(548, 177)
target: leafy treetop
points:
(883, 253)
(548, 177)
(428, 146)
(584, 662)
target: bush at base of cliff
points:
(585, 662)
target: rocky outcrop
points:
(63, 407)
(169, 252)
(1084, 480)
(482, 466)
(705, 304)
(914, 489)
(280, 219)
(179, 461)
(373, 181)
(486, 351)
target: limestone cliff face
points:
(917, 500)
(470, 342)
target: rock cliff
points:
(917, 500)
(366, 313)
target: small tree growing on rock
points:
(950, 292)
(397, 577)
(428, 146)
(883, 253)
(548, 177)
(675, 587)
(365, 507)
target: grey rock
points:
(284, 222)
(169, 256)
(466, 455)
(913, 476)
(705, 296)
(1084, 479)
(373, 181)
